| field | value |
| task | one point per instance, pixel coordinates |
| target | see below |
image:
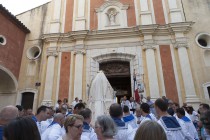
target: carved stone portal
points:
(115, 68)
(118, 74)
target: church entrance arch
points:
(118, 75)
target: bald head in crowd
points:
(7, 114)
(59, 118)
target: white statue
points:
(101, 96)
(112, 17)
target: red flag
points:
(136, 90)
(137, 97)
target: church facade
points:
(162, 45)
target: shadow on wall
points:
(7, 89)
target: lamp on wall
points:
(37, 84)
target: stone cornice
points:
(141, 30)
(65, 37)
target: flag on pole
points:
(136, 91)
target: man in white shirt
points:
(76, 101)
(129, 118)
(188, 127)
(58, 105)
(145, 112)
(53, 131)
(125, 102)
(138, 116)
(87, 130)
(49, 120)
(133, 105)
(42, 115)
(151, 105)
(169, 123)
(123, 131)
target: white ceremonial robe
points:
(130, 120)
(149, 117)
(74, 103)
(153, 117)
(132, 106)
(172, 128)
(145, 119)
(190, 127)
(125, 133)
(175, 115)
(187, 115)
(89, 132)
(82, 138)
(185, 130)
(194, 116)
(53, 132)
(42, 126)
(139, 119)
(63, 131)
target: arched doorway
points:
(118, 75)
(27, 100)
(8, 86)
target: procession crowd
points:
(159, 120)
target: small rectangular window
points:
(208, 88)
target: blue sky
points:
(19, 6)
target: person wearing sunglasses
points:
(73, 126)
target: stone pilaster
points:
(152, 71)
(49, 78)
(78, 78)
(189, 87)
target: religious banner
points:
(136, 89)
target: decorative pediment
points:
(112, 3)
(112, 14)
